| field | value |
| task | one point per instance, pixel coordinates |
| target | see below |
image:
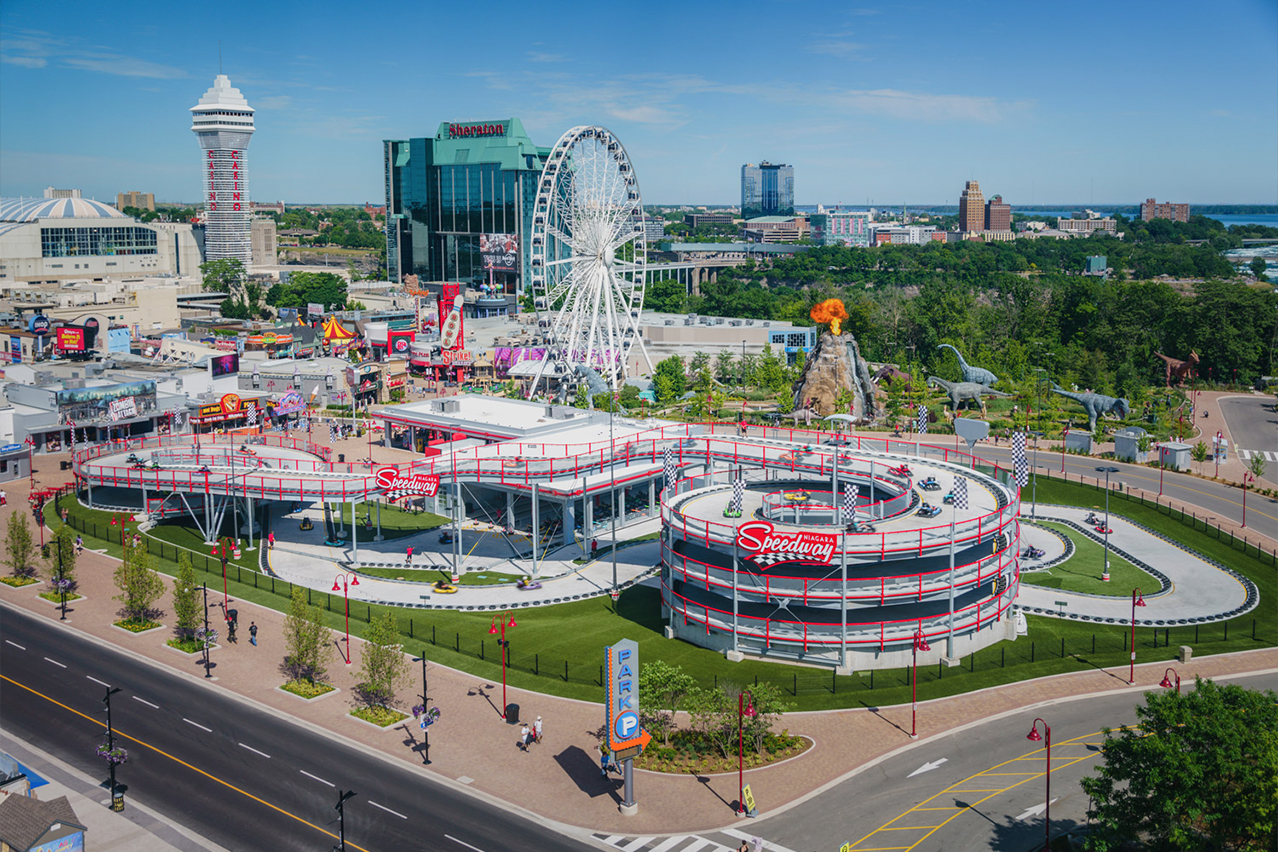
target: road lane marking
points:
(208, 775)
(928, 767)
(388, 810)
(56, 663)
(197, 724)
(463, 843)
(317, 778)
(95, 680)
(15, 644)
(147, 703)
(255, 751)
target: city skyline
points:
(867, 106)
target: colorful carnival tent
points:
(334, 332)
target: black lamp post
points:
(106, 699)
(1107, 471)
(425, 707)
(341, 818)
(205, 642)
(1034, 736)
(62, 577)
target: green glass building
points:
(471, 180)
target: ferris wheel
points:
(589, 254)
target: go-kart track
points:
(771, 544)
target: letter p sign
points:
(626, 726)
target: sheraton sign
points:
(396, 484)
(765, 546)
(462, 131)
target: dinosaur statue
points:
(1180, 369)
(978, 375)
(1096, 404)
(961, 392)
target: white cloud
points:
(124, 66)
(37, 50)
(538, 56)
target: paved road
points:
(976, 797)
(1218, 499)
(1254, 426)
(201, 758)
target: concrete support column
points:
(570, 519)
(588, 518)
(510, 511)
(355, 532)
(653, 508)
(536, 527)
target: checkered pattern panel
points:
(1020, 462)
(960, 493)
(920, 425)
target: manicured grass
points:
(307, 689)
(382, 717)
(487, 578)
(418, 575)
(137, 626)
(55, 597)
(186, 646)
(396, 523)
(18, 582)
(606, 552)
(1082, 571)
(545, 639)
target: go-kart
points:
(133, 459)
(1034, 553)
(900, 470)
(948, 499)
(444, 587)
(306, 524)
(860, 527)
(446, 537)
(927, 510)
(1092, 519)
(527, 583)
(1103, 530)
(930, 484)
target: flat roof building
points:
(841, 227)
(767, 190)
(971, 215)
(998, 216)
(1152, 209)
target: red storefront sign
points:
(396, 484)
(765, 546)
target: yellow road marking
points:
(956, 788)
(211, 777)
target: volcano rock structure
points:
(835, 365)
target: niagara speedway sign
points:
(765, 546)
(396, 484)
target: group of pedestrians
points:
(529, 736)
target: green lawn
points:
(1082, 571)
(396, 523)
(417, 575)
(559, 649)
(606, 552)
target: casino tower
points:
(223, 121)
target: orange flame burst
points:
(831, 311)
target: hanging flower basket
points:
(114, 756)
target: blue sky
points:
(1065, 103)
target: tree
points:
(60, 563)
(1199, 452)
(306, 646)
(18, 547)
(675, 380)
(1259, 268)
(383, 669)
(140, 587)
(663, 690)
(186, 601)
(724, 367)
(223, 276)
(1199, 772)
(1257, 465)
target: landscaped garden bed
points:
(382, 717)
(307, 689)
(691, 754)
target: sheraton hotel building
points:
(446, 192)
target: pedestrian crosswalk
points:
(728, 840)
(1246, 455)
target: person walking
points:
(537, 731)
(408, 558)
(594, 547)
(79, 544)
(524, 737)
(604, 757)
(270, 541)
(253, 634)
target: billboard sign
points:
(499, 252)
(765, 546)
(621, 675)
(314, 309)
(290, 403)
(225, 365)
(15, 349)
(39, 325)
(400, 343)
(466, 131)
(70, 339)
(452, 325)
(397, 485)
(123, 408)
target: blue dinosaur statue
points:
(977, 375)
(1096, 404)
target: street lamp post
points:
(1247, 477)
(425, 706)
(1034, 509)
(743, 710)
(1064, 441)
(106, 699)
(500, 625)
(207, 662)
(1137, 600)
(62, 577)
(1107, 471)
(341, 818)
(1167, 679)
(919, 644)
(346, 579)
(1047, 778)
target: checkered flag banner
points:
(332, 433)
(767, 560)
(1020, 462)
(668, 463)
(738, 494)
(960, 493)
(71, 423)
(251, 415)
(920, 427)
(849, 503)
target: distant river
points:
(1268, 219)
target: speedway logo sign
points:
(396, 484)
(765, 546)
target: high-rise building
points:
(444, 193)
(971, 208)
(998, 216)
(1151, 209)
(138, 200)
(767, 190)
(223, 122)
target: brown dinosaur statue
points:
(1180, 369)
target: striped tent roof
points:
(333, 330)
(34, 209)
